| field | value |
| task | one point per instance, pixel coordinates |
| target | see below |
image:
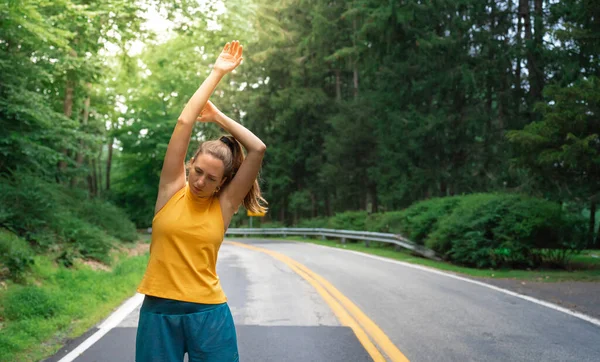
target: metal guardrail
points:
(343, 235)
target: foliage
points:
(564, 147)
(419, 220)
(64, 220)
(479, 230)
(494, 230)
(386, 222)
(52, 63)
(364, 106)
(315, 223)
(349, 220)
(16, 254)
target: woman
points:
(185, 309)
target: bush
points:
(26, 207)
(493, 230)
(52, 216)
(88, 240)
(379, 222)
(109, 218)
(314, 223)
(419, 220)
(271, 224)
(349, 220)
(16, 254)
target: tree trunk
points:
(328, 205)
(524, 14)
(85, 112)
(282, 210)
(355, 61)
(372, 199)
(530, 47)
(68, 103)
(355, 80)
(68, 109)
(519, 42)
(537, 64)
(592, 222)
(99, 182)
(597, 244)
(94, 178)
(338, 86)
(109, 161)
(443, 188)
(502, 99)
(84, 122)
(94, 182)
(90, 183)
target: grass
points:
(589, 264)
(56, 304)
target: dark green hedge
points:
(480, 230)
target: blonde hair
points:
(232, 158)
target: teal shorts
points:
(168, 329)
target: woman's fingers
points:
(234, 49)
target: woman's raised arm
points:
(172, 176)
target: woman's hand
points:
(230, 58)
(209, 113)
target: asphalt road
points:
(282, 316)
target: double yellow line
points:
(347, 312)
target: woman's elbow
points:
(183, 121)
(262, 148)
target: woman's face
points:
(206, 174)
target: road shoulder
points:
(582, 297)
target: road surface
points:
(303, 302)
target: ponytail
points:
(253, 201)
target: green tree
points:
(563, 149)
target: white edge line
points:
(556, 307)
(112, 321)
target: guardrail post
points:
(367, 244)
(343, 240)
(322, 236)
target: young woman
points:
(185, 309)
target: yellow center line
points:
(339, 311)
(326, 290)
(373, 329)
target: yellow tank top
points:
(186, 236)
